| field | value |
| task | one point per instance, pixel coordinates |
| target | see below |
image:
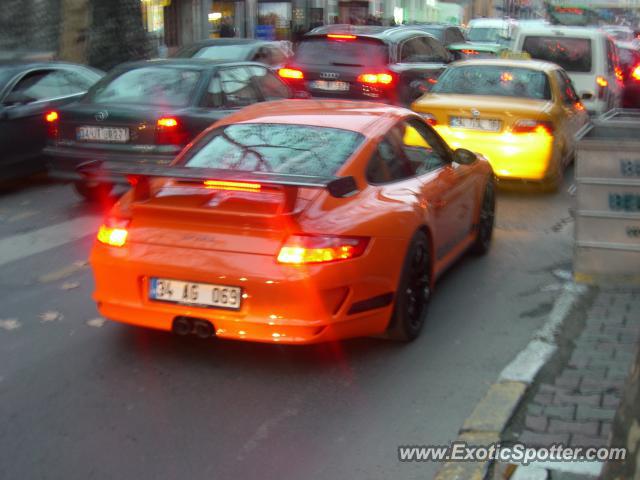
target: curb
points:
(492, 414)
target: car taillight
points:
(291, 74)
(114, 232)
(232, 186)
(429, 118)
(635, 73)
(305, 249)
(170, 132)
(533, 126)
(376, 78)
(52, 118)
(602, 84)
(341, 36)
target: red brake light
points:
(291, 73)
(429, 118)
(341, 36)
(167, 122)
(619, 74)
(533, 126)
(51, 116)
(376, 78)
(113, 233)
(469, 52)
(170, 132)
(635, 74)
(233, 186)
(305, 249)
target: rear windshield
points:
(217, 52)
(157, 85)
(487, 34)
(495, 81)
(358, 52)
(572, 54)
(277, 148)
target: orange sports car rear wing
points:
(138, 176)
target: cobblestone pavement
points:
(578, 408)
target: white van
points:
(490, 30)
(588, 55)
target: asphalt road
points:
(83, 399)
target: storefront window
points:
(274, 21)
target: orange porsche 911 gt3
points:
(297, 221)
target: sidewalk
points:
(575, 401)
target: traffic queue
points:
(299, 197)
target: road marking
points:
(24, 245)
(63, 272)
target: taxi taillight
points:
(113, 232)
(309, 249)
(533, 126)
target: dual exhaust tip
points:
(193, 326)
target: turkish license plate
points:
(103, 134)
(484, 124)
(197, 294)
(331, 86)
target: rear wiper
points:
(339, 64)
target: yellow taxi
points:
(522, 115)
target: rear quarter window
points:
(358, 52)
(572, 54)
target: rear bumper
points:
(63, 162)
(512, 156)
(281, 303)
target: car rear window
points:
(572, 54)
(157, 85)
(487, 34)
(356, 52)
(277, 148)
(217, 52)
(494, 80)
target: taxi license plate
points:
(197, 294)
(486, 125)
(336, 86)
(103, 134)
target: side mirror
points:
(586, 96)
(464, 156)
(17, 98)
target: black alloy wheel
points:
(414, 292)
(486, 220)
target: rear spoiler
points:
(139, 175)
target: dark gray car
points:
(146, 112)
(27, 91)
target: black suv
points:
(391, 64)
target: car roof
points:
(197, 63)
(561, 31)
(365, 118)
(27, 64)
(385, 34)
(230, 41)
(538, 65)
(489, 22)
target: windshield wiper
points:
(339, 64)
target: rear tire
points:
(486, 220)
(91, 191)
(414, 292)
